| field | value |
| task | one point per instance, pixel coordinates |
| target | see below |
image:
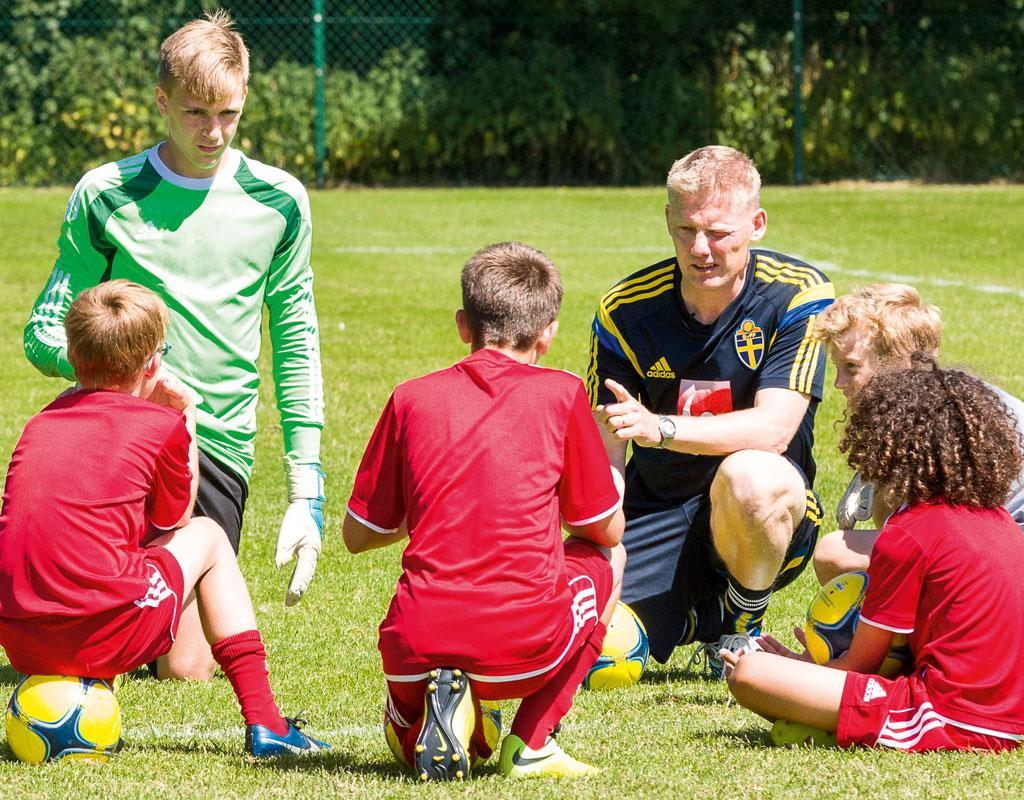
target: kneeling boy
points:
(100, 471)
(480, 465)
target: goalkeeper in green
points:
(218, 236)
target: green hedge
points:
(546, 91)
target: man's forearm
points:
(747, 429)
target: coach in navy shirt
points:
(706, 362)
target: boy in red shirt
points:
(98, 548)
(481, 465)
(940, 448)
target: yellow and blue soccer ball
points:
(833, 616)
(624, 652)
(56, 716)
(899, 660)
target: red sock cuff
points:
(244, 643)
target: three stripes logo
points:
(584, 604)
(873, 690)
(157, 592)
(660, 369)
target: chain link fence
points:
(538, 91)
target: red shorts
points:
(590, 575)
(897, 713)
(106, 644)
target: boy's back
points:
(86, 474)
(481, 459)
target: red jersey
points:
(89, 474)
(482, 460)
(949, 578)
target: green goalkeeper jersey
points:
(216, 250)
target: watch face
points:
(668, 428)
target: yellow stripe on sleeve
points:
(823, 291)
(770, 271)
(605, 318)
(640, 282)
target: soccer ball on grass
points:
(51, 717)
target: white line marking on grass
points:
(427, 250)
(827, 266)
(194, 733)
(895, 277)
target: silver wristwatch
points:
(668, 431)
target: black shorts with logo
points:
(672, 565)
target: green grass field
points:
(387, 265)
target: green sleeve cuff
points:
(64, 366)
(302, 444)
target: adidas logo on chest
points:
(660, 369)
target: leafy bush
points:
(541, 91)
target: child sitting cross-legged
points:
(944, 571)
(98, 547)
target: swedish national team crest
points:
(749, 341)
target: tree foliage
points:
(541, 91)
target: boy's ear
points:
(161, 100)
(546, 337)
(462, 323)
(150, 368)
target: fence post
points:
(318, 64)
(798, 103)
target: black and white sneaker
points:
(442, 749)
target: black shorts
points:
(222, 496)
(672, 564)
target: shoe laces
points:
(705, 659)
(699, 661)
(299, 720)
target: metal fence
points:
(539, 91)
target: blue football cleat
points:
(261, 742)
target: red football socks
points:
(243, 659)
(540, 712)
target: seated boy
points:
(98, 549)
(479, 465)
(870, 330)
(944, 572)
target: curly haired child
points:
(941, 449)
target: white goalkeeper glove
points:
(857, 503)
(302, 529)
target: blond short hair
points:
(510, 293)
(892, 314)
(206, 58)
(714, 170)
(113, 329)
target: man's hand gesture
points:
(627, 419)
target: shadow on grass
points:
(9, 676)
(750, 738)
(390, 770)
(678, 675)
(328, 761)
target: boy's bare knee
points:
(189, 666)
(826, 556)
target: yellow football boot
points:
(519, 761)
